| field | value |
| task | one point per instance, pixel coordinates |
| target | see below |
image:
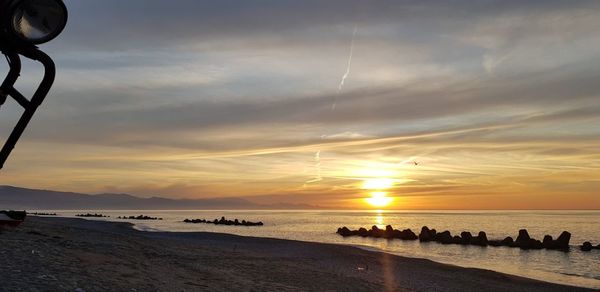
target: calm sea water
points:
(574, 267)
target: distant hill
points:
(31, 199)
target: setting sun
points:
(378, 184)
(379, 199)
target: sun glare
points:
(378, 184)
(379, 199)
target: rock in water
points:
(535, 244)
(344, 231)
(444, 237)
(562, 242)
(389, 232)
(456, 239)
(363, 232)
(466, 237)
(523, 240)
(408, 234)
(507, 241)
(523, 236)
(480, 240)
(376, 232)
(587, 246)
(424, 236)
(548, 242)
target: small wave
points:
(580, 276)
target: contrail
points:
(318, 178)
(348, 66)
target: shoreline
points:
(68, 253)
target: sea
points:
(573, 268)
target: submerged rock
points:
(587, 246)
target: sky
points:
(439, 104)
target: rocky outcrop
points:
(523, 241)
(236, 222)
(389, 232)
(139, 217)
(92, 215)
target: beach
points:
(66, 254)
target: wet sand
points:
(62, 254)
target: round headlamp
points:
(34, 21)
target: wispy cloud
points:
(494, 98)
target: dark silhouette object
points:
(548, 241)
(427, 234)
(389, 233)
(524, 241)
(92, 215)
(363, 232)
(15, 42)
(457, 239)
(224, 221)
(43, 214)
(480, 240)
(466, 237)
(562, 242)
(586, 246)
(444, 237)
(408, 234)
(523, 236)
(12, 218)
(507, 241)
(139, 217)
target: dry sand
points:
(60, 254)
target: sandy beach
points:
(60, 254)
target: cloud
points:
(193, 93)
